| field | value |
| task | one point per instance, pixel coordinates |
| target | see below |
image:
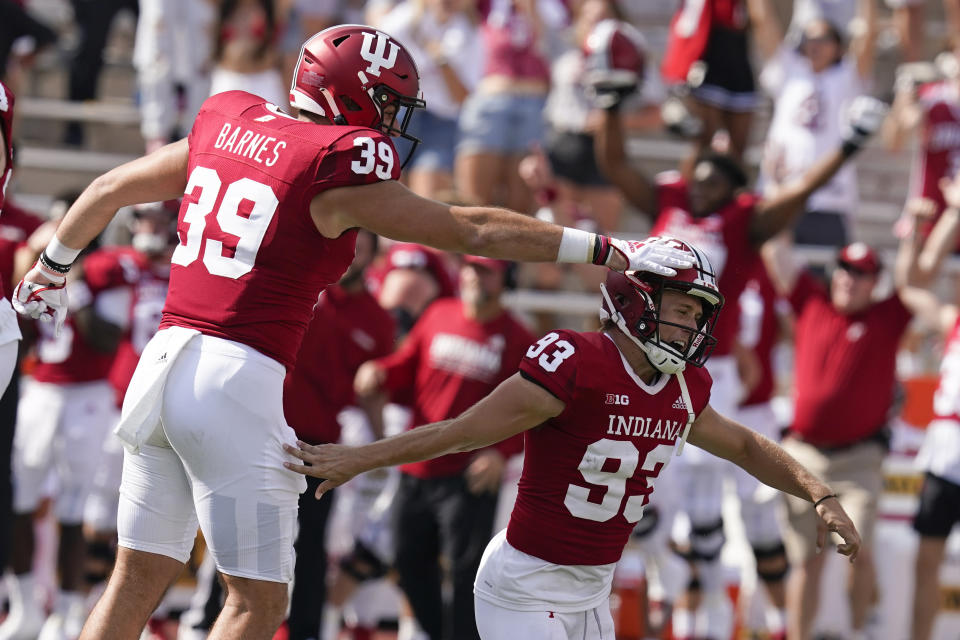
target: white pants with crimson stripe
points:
(497, 623)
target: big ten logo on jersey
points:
(550, 362)
(4, 103)
(373, 156)
(618, 399)
(383, 54)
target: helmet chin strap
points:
(690, 416)
(659, 357)
(654, 353)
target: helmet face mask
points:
(356, 75)
(634, 301)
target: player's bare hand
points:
(485, 472)
(833, 519)
(334, 463)
(369, 378)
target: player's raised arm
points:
(769, 463)
(779, 212)
(514, 406)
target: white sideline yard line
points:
(118, 113)
(70, 160)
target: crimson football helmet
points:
(615, 54)
(632, 301)
(352, 73)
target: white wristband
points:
(60, 253)
(575, 246)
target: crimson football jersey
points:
(447, 364)
(938, 154)
(69, 358)
(6, 126)
(347, 330)
(723, 235)
(588, 472)
(251, 262)
(146, 309)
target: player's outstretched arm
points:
(769, 463)
(390, 209)
(514, 406)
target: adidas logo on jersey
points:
(679, 403)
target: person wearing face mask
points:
(458, 351)
(812, 85)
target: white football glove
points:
(653, 254)
(42, 295)
(863, 118)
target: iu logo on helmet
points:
(374, 54)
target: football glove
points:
(42, 294)
(654, 255)
(864, 117)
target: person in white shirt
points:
(444, 39)
(812, 85)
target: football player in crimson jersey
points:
(271, 204)
(602, 413)
(712, 209)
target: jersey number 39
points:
(249, 229)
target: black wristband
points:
(826, 497)
(601, 249)
(45, 260)
(849, 148)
